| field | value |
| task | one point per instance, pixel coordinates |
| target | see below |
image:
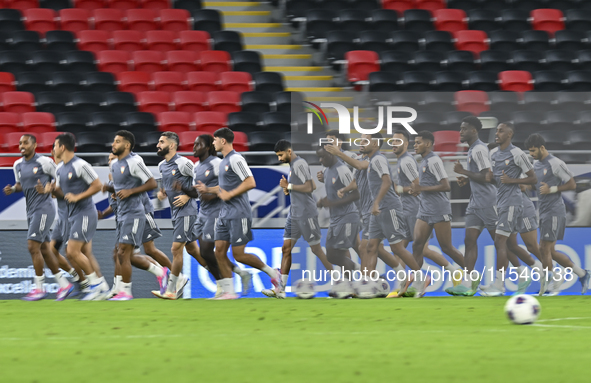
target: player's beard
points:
(117, 152)
(162, 152)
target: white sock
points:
(61, 279)
(451, 267)
(126, 288)
(157, 271)
(228, 285)
(118, 282)
(39, 281)
(284, 280)
(238, 270)
(93, 279)
(270, 272)
(577, 270)
(74, 274)
(171, 288)
(499, 283)
(104, 283)
(537, 265)
(84, 284)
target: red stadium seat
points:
(398, 5)
(148, 61)
(12, 142)
(223, 101)
(162, 41)
(174, 121)
(450, 20)
(155, 4)
(215, 61)
(240, 142)
(38, 122)
(238, 82)
(21, 5)
(168, 81)
(18, 102)
(142, 20)
(154, 102)
(113, 61)
(46, 141)
(202, 81)
(123, 5)
(209, 121)
(129, 41)
(549, 20)
(182, 61)
(360, 64)
(430, 5)
(473, 41)
(447, 141)
(188, 140)
(108, 19)
(91, 5)
(472, 101)
(10, 122)
(189, 101)
(516, 81)
(94, 41)
(7, 82)
(196, 41)
(134, 82)
(175, 20)
(40, 20)
(74, 20)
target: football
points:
(523, 309)
(383, 288)
(366, 289)
(341, 290)
(305, 289)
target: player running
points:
(302, 219)
(29, 171)
(554, 177)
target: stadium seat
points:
(142, 20)
(236, 81)
(247, 61)
(108, 19)
(87, 102)
(147, 142)
(461, 61)
(154, 102)
(430, 61)
(583, 59)
(318, 23)
(168, 81)
(187, 140)
(10, 20)
(129, 41)
(240, 142)
(560, 60)
(162, 41)
(182, 61)
(561, 121)
(549, 20)
(258, 102)
(338, 43)
(385, 20)
(296, 9)
(123, 5)
(189, 101)
(174, 122)
(407, 41)
(175, 20)
(503, 101)
(229, 41)
(418, 20)
(244, 122)
(52, 102)
(430, 5)
(450, 81)
(268, 82)
(46, 140)
(373, 41)
(114, 61)
(535, 40)
(515, 81)
(398, 5)
(47, 61)
(548, 81)
(527, 60)
(472, 101)
(141, 122)
(92, 142)
(223, 101)
(554, 139)
(79, 61)
(395, 61)
(40, 20)
(7, 82)
(134, 82)
(579, 81)
(537, 101)
(514, 20)
(276, 122)
(483, 19)
(578, 19)
(208, 20)
(384, 82)
(418, 81)
(202, 81)
(21, 5)
(4, 41)
(38, 122)
(26, 41)
(196, 41)
(495, 61)
(18, 102)
(262, 141)
(360, 64)
(100, 82)
(10, 122)
(157, 5)
(209, 121)
(67, 82)
(94, 41)
(74, 20)
(474, 41)
(72, 122)
(441, 41)
(120, 102)
(353, 20)
(570, 40)
(451, 20)
(430, 121)
(572, 100)
(528, 121)
(148, 61)
(33, 82)
(446, 141)
(504, 40)
(60, 41)
(14, 62)
(288, 102)
(483, 80)
(106, 121)
(215, 61)
(89, 4)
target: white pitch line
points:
(560, 326)
(559, 319)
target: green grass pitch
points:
(433, 339)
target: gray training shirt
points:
(483, 195)
(553, 172)
(365, 201)
(178, 169)
(128, 173)
(337, 177)
(234, 170)
(408, 171)
(208, 172)
(378, 167)
(303, 205)
(38, 168)
(513, 162)
(430, 174)
(75, 177)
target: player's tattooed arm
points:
(360, 165)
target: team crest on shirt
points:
(70, 175)
(226, 167)
(545, 171)
(206, 173)
(173, 172)
(35, 170)
(469, 159)
(334, 180)
(424, 169)
(122, 169)
(507, 162)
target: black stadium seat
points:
(373, 41)
(229, 41)
(407, 41)
(244, 122)
(268, 82)
(527, 60)
(60, 41)
(10, 20)
(515, 20)
(247, 61)
(288, 102)
(80, 61)
(384, 82)
(100, 82)
(72, 122)
(353, 20)
(209, 20)
(450, 81)
(120, 102)
(338, 43)
(441, 41)
(483, 80)
(461, 61)
(47, 61)
(87, 102)
(276, 122)
(33, 82)
(483, 19)
(561, 60)
(495, 61)
(52, 102)
(548, 81)
(140, 121)
(26, 41)
(106, 121)
(67, 82)
(430, 61)
(395, 61)
(418, 20)
(385, 20)
(256, 102)
(418, 81)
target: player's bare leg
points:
(341, 258)
(443, 233)
(151, 250)
(564, 261)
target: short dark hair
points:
(172, 136)
(128, 136)
(535, 141)
(226, 134)
(426, 135)
(474, 122)
(509, 125)
(68, 140)
(335, 133)
(282, 146)
(404, 133)
(208, 141)
(31, 137)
